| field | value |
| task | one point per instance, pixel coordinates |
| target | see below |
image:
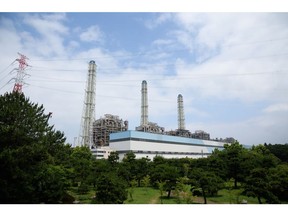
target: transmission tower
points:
(88, 115)
(20, 73)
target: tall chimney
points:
(181, 118)
(88, 114)
(144, 104)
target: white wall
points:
(151, 149)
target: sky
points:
(231, 68)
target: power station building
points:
(110, 133)
(145, 144)
(150, 140)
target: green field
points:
(144, 195)
(149, 195)
(83, 198)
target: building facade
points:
(144, 144)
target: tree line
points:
(37, 166)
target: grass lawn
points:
(234, 196)
(83, 198)
(143, 195)
(149, 195)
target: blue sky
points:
(231, 68)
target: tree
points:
(141, 169)
(129, 157)
(127, 167)
(258, 185)
(208, 181)
(183, 190)
(133, 184)
(233, 158)
(216, 164)
(111, 189)
(264, 157)
(113, 158)
(167, 174)
(99, 167)
(146, 182)
(81, 158)
(279, 181)
(279, 150)
(31, 171)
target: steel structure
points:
(19, 80)
(88, 115)
(103, 127)
(200, 134)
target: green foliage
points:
(146, 181)
(208, 181)
(131, 189)
(36, 166)
(279, 150)
(83, 188)
(111, 189)
(233, 158)
(165, 173)
(141, 169)
(258, 185)
(30, 153)
(279, 182)
(161, 185)
(81, 159)
(113, 158)
(183, 191)
(129, 157)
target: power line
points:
(155, 52)
(187, 77)
(7, 67)
(97, 95)
(151, 65)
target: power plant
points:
(110, 133)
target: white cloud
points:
(162, 18)
(161, 42)
(228, 68)
(93, 33)
(281, 107)
(50, 28)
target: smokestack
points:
(181, 118)
(144, 104)
(88, 114)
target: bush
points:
(83, 188)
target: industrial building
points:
(106, 125)
(150, 140)
(145, 144)
(110, 133)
